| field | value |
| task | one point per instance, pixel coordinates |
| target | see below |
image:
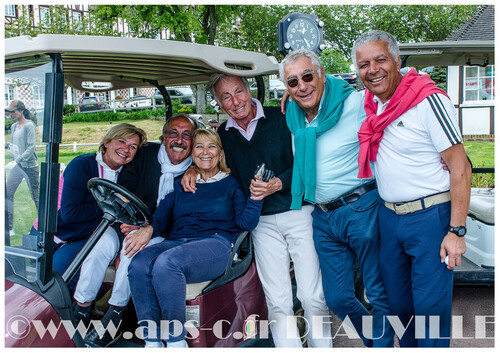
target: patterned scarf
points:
(168, 172)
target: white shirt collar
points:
(217, 177)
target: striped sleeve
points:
(445, 114)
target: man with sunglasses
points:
(324, 117)
(150, 176)
(252, 135)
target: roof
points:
(472, 43)
(132, 62)
(449, 53)
(481, 26)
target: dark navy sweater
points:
(271, 144)
(216, 208)
(79, 214)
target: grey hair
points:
(215, 78)
(296, 54)
(375, 36)
(176, 117)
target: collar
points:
(217, 177)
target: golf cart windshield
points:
(22, 251)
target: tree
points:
(408, 23)
(334, 62)
(60, 23)
(181, 22)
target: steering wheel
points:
(119, 203)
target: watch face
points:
(303, 33)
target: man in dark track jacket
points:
(251, 136)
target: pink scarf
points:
(412, 89)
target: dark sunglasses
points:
(9, 111)
(294, 82)
(173, 134)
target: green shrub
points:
(8, 124)
(210, 110)
(69, 109)
(112, 116)
(272, 103)
(185, 109)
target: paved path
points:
(474, 306)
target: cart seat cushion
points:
(194, 289)
(482, 205)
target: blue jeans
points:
(341, 236)
(158, 275)
(416, 281)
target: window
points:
(9, 94)
(10, 11)
(77, 16)
(38, 95)
(44, 16)
(479, 83)
(77, 20)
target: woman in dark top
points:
(79, 214)
(204, 226)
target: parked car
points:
(349, 78)
(276, 89)
(138, 102)
(92, 103)
(183, 94)
(226, 312)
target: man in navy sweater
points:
(253, 135)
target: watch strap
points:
(459, 231)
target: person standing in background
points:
(22, 149)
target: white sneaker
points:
(178, 344)
(12, 233)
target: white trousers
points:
(277, 238)
(94, 269)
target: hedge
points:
(112, 116)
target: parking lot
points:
(473, 320)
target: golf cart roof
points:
(449, 53)
(132, 62)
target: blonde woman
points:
(79, 214)
(204, 225)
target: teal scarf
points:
(304, 165)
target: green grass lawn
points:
(482, 154)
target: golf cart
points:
(229, 311)
(478, 262)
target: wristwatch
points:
(459, 231)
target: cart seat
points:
(482, 205)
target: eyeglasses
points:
(173, 134)
(9, 111)
(306, 77)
